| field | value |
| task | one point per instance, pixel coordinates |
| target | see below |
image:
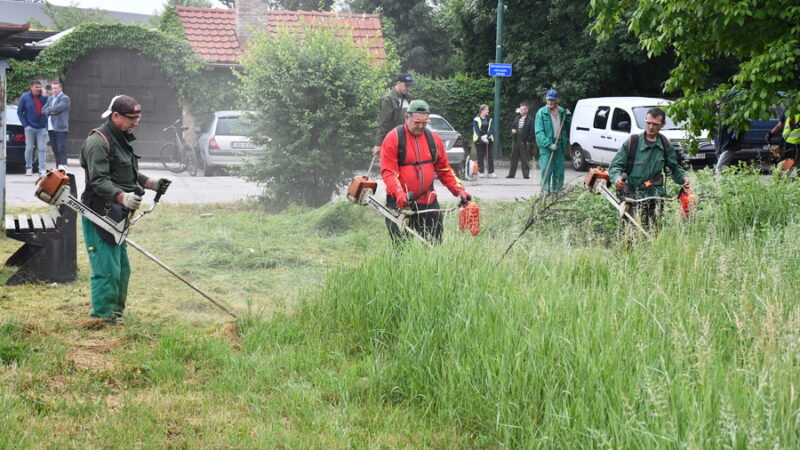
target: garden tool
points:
(597, 181)
(53, 189)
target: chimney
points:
(250, 15)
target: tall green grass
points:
(689, 339)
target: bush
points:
(315, 98)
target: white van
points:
(601, 125)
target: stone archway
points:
(96, 78)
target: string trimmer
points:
(53, 189)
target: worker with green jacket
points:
(552, 136)
(641, 175)
(393, 108)
(114, 187)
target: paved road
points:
(221, 189)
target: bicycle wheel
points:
(171, 158)
(191, 160)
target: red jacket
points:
(417, 179)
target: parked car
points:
(225, 142)
(601, 125)
(15, 140)
(452, 140)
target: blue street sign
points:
(500, 70)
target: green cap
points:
(418, 107)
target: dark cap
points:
(124, 105)
(405, 78)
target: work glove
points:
(156, 184)
(553, 147)
(129, 200)
(401, 200)
(485, 139)
(464, 197)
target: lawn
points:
(574, 339)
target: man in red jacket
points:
(408, 166)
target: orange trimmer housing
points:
(357, 190)
(50, 184)
(594, 175)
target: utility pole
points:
(498, 58)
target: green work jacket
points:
(391, 113)
(543, 126)
(648, 165)
(110, 171)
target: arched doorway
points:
(96, 78)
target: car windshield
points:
(641, 111)
(438, 124)
(232, 126)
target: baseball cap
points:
(405, 78)
(418, 107)
(552, 94)
(122, 104)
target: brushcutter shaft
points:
(178, 276)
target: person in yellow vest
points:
(482, 137)
(790, 124)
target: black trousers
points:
(520, 152)
(428, 225)
(484, 151)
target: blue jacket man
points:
(57, 110)
(34, 120)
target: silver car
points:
(452, 140)
(225, 142)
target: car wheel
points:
(208, 170)
(578, 160)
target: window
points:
(601, 117)
(439, 124)
(620, 115)
(231, 126)
(641, 111)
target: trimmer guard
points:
(594, 175)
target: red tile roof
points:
(212, 32)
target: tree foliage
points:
(550, 44)
(761, 38)
(315, 101)
(420, 39)
(66, 17)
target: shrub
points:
(315, 98)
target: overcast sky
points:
(132, 6)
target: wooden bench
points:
(49, 253)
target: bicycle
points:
(179, 156)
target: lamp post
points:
(498, 57)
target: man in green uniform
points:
(641, 175)
(552, 136)
(113, 188)
(393, 108)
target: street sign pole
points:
(498, 57)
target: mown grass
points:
(574, 340)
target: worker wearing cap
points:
(393, 107)
(113, 188)
(790, 126)
(409, 183)
(552, 136)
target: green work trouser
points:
(552, 173)
(110, 273)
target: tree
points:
(550, 44)
(421, 41)
(66, 17)
(315, 100)
(762, 39)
